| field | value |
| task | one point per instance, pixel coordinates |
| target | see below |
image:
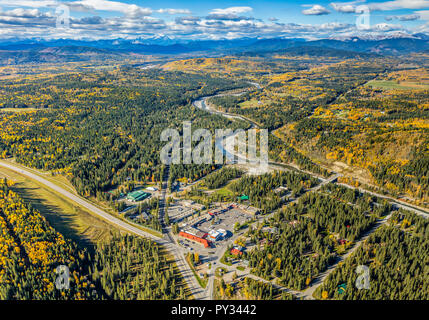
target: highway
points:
(171, 247)
(168, 240)
(308, 293)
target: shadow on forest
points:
(62, 222)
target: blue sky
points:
(207, 19)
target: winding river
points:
(228, 147)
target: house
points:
(281, 189)
(192, 204)
(196, 232)
(272, 230)
(244, 197)
(294, 223)
(151, 189)
(237, 250)
(142, 216)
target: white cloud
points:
(346, 7)
(316, 10)
(131, 10)
(350, 7)
(135, 22)
(423, 14)
(174, 11)
(399, 4)
(406, 17)
(231, 10)
(29, 3)
(386, 27)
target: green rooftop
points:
(137, 195)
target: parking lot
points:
(226, 221)
(177, 212)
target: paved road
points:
(84, 203)
(175, 250)
(396, 202)
(308, 293)
(173, 247)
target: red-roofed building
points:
(195, 238)
(237, 251)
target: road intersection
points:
(178, 252)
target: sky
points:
(138, 20)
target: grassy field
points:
(17, 110)
(225, 192)
(390, 85)
(253, 103)
(67, 218)
(60, 180)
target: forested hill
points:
(102, 128)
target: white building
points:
(214, 235)
(222, 233)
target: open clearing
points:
(390, 85)
(69, 219)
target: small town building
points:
(222, 233)
(214, 235)
(250, 210)
(137, 196)
(195, 238)
(244, 197)
(237, 250)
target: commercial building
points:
(137, 196)
(249, 210)
(192, 204)
(214, 235)
(222, 233)
(215, 212)
(186, 234)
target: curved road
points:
(173, 249)
(308, 293)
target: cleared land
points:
(67, 218)
(390, 85)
